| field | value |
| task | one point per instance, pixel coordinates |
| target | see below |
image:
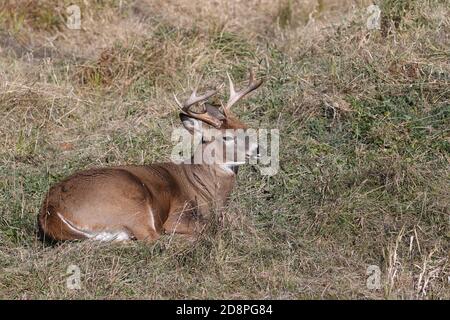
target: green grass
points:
(364, 126)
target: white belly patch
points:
(96, 235)
(110, 236)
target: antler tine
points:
(236, 96)
(232, 94)
(193, 99)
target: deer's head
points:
(219, 128)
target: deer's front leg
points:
(186, 220)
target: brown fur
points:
(144, 201)
(121, 198)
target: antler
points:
(236, 96)
(233, 98)
(202, 116)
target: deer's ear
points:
(214, 111)
(191, 124)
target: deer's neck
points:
(211, 184)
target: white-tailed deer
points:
(142, 202)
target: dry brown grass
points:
(363, 115)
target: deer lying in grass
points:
(143, 202)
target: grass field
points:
(364, 119)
